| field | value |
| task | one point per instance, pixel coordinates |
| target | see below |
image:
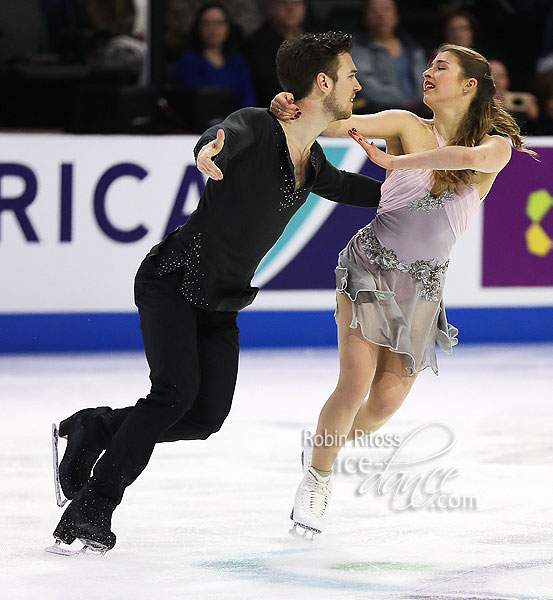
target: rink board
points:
(78, 214)
(120, 331)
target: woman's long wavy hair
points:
(484, 115)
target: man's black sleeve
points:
(346, 188)
(240, 130)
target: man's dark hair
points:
(300, 60)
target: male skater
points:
(190, 286)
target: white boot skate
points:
(306, 457)
(310, 504)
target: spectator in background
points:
(181, 13)
(460, 28)
(212, 59)
(112, 43)
(141, 19)
(390, 63)
(111, 17)
(285, 18)
(522, 105)
(545, 62)
(543, 89)
(55, 20)
(22, 31)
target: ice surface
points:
(209, 519)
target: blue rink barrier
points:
(77, 332)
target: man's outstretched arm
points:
(222, 142)
(347, 188)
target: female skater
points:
(391, 274)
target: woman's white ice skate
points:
(310, 504)
(306, 457)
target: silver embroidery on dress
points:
(429, 202)
(421, 270)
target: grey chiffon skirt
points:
(391, 309)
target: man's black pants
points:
(193, 359)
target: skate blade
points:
(302, 531)
(57, 548)
(60, 501)
(93, 546)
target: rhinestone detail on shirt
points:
(189, 258)
(289, 194)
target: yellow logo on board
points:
(538, 241)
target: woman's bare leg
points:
(358, 362)
(389, 388)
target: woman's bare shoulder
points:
(500, 140)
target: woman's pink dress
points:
(393, 270)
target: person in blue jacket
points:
(212, 58)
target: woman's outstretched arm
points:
(489, 157)
(385, 124)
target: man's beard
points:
(337, 112)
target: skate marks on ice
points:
(452, 584)
(390, 580)
(368, 552)
(283, 567)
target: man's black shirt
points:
(240, 218)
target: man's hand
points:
(204, 162)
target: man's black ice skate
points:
(88, 519)
(82, 451)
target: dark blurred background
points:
(177, 66)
